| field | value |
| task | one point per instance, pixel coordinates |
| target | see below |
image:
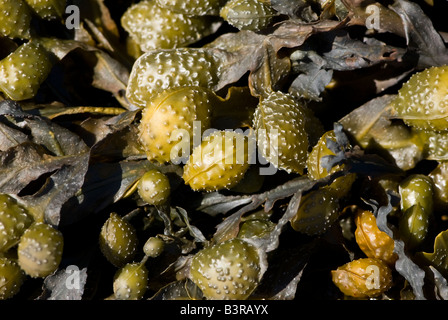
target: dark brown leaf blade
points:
(194, 231)
(294, 33)
(372, 128)
(266, 77)
(239, 53)
(24, 163)
(60, 187)
(350, 54)
(112, 76)
(215, 203)
(283, 274)
(109, 74)
(10, 137)
(294, 188)
(247, 52)
(58, 141)
(421, 35)
(389, 21)
(109, 135)
(311, 82)
(335, 50)
(404, 265)
(105, 184)
(51, 150)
